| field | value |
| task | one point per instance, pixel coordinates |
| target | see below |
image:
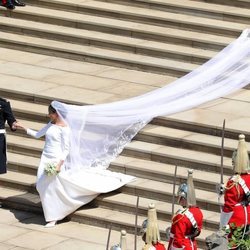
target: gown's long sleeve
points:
(65, 143)
(40, 133)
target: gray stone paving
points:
(23, 230)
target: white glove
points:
(168, 229)
(224, 219)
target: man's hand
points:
(14, 126)
(20, 126)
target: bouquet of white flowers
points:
(50, 169)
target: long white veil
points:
(100, 132)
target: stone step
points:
(104, 217)
(24, 146)
(210, 122)
(140, 187)
(9, 93)
(178, 156)
(180, 138)
(97, 55)
(23, 163)
(162, 172)
(88, 214)
(141, 168)
(19, 199)
(127, 203)
(163, 191)
(238, 3)
(69, 87)
(30, 111)
(108, 41)
(39, 74)
(19, 181)
(138, 149)
(161, 18)
(17, 223)
(197, 8)
(125, 28)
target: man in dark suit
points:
(5, 115)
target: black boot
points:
(9, 5)
(18, 3)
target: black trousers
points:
(3, 158)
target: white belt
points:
(172, 236)
(2, 131)
(241, 204)
(238, 204)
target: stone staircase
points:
(151, 156)
(160, 40)
(165, 37)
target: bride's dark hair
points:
(51, 109)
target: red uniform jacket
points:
(158, 246)
(182, 228)
(234, 195)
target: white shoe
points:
(50, 224)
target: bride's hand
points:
(19, 125)
(58, 168)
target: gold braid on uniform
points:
(182, 212)
(235, 183)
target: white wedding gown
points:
(62, 194)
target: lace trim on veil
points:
(111, 152)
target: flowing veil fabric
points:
(100, 132)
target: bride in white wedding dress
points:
(63, 193)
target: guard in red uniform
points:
(236, 207)
(150, 231)
(10, 4)
(187, 222)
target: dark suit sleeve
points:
(9, 115)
